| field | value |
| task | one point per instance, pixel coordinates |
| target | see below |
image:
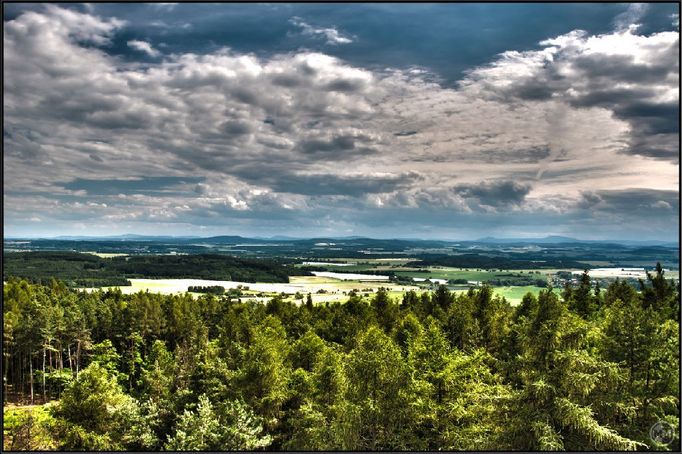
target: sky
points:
(449, 121)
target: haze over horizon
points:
(456, 121)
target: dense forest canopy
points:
(88, 270)
(587, 370)
(483, 261)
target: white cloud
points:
(143, 46)
(662, 204)
(332, 35)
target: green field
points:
(515, 294)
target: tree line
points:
(589, 369)
(214, 289)
(88, 270)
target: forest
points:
(88, 270)
(590, 369)
(482, 261)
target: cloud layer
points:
(551, 140)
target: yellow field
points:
(106, 255)
(331, 289)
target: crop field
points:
(107, 255)
(321, 289)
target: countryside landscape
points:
(341, 227)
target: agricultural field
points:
(107, 255)
(325, 278)
(342, 275)
(322, 289)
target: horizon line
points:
(488, 238)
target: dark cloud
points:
(652, 118)
(537, 89)
(495, 193)
(634, 203)
(236, 128)
(603, 69)
(339, 147)
(22, 144)
(287, 80)
(346, 85)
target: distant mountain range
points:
(544, 240)
(235, 239)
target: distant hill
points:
(370, 242)
(545, 240)
(558, 239)
(123, 237)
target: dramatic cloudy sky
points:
(445, 120)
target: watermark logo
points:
(662, 432)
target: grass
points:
(515, 294)
(28, 428)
